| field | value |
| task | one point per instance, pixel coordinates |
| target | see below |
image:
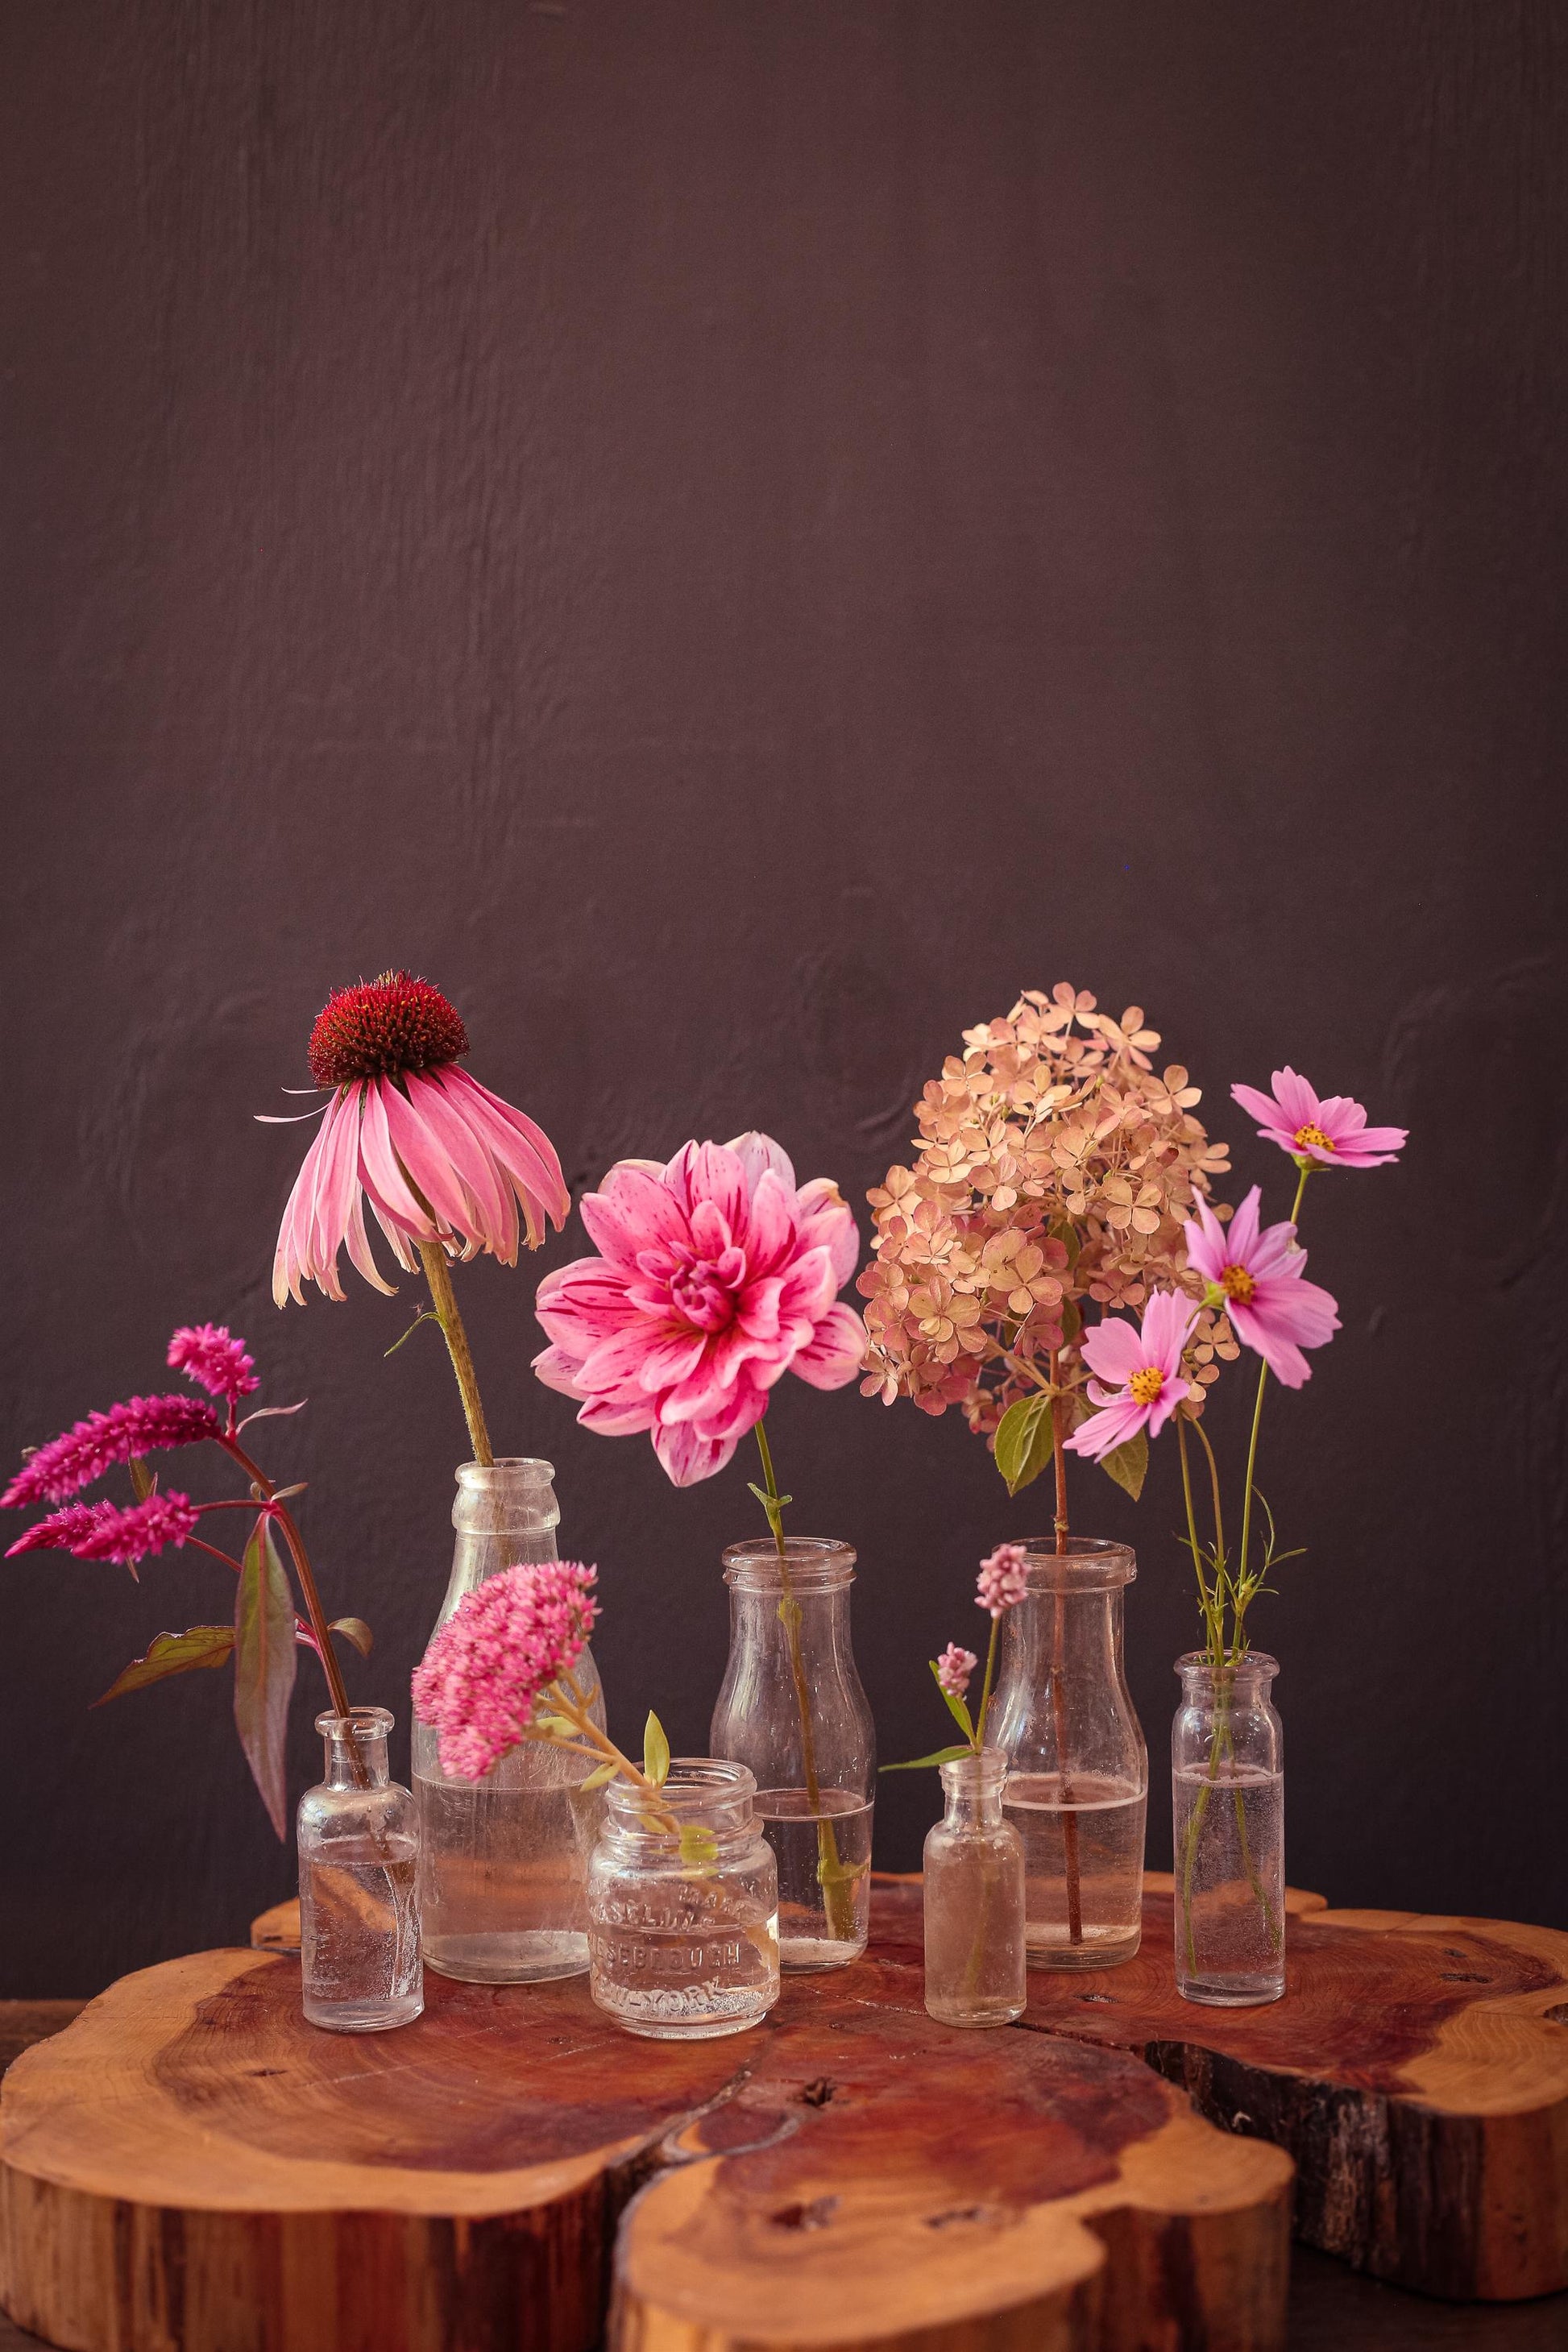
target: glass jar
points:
(1227, 1804)
(975, 1950)
(359, 1909)
(791, 1709)
(503, 1861)
(1078, 1769)
(683, 1906)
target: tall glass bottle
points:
(503, 1861)
(1227, 1798)
(973, 1871)
(792, 1711)
(1078, 1769)
(359, 1915)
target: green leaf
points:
(598, 1776)
(555, 1727)
(1024, 1440)
(655, 1751)
(955, 1707)
(264, 1664)
(355, 1630)
(173, 1654)
(840, 1874)
(918, 1763)
(699, 1847)
(1129, 1464)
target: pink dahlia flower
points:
(1139, 1381)
(716, 1275)
(1274, 1311)
(206, 1354)
(143, 1425)
(437, 1156)
(1003, 1578)
(953, 1669)
(1329, 1134)
(479, 1681)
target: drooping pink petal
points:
(833, 1353)
(490, 1205)
(827, 1221)
(520, 1146)
(687, 1458)
(385, 1184)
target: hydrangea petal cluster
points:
(1138, 1381)
(1274, 1310)
(953, 1669)
(716, 1275)
(480, 1679)
(1050, 1120)
(207, 1353)
(83, 1453)
(1003, 1578)
(436, 1156)
(1326, 1132)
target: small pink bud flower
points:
(953, 1669)
(1003, 1578)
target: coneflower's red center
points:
(382, 1028)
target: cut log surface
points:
(1417, 2070)
(189, 2164)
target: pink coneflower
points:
(1271, 1308)
(439, 1159)
(1330, 1133)
(953, 1669)
(1003, 1578)
(505, 1644)
(1143, 1370)
(208, 1354)
(80, 1454)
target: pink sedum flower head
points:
(437, 1157)
(1324, 1134)
(73, 1460)
(206, 1354)
(953, 1669)
(1003, 1578)
(1271, 1308)
(1138, 1383)
(716, 1275)
(481, 1677)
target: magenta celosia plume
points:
(208, 1354)
(481, 1677)
(1138, 1383)
(1329, 1132)
(1259, 1274)
(80, 1454)
(716, 1275)
(124, 1534)
(437, 1156)
(953, 1669)
(1003, 1578)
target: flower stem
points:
(292, 1537)
(438, 1275)
(979, 1740)
(1059, 1669)
(573, 1707)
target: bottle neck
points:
(505, 1515)
(355, 1750)
(971, 1787)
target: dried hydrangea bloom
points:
(1055, 1168)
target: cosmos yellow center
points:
(1313, 1137)
(1144, 1387)
(1237, 1284)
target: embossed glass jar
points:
(359, 1913)
(503, 1861)
(683, 1906)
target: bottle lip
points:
(1253, 1665)
(360, 1723)
(973, 1774)
(508, 1470)
(1090, 1564)
(701, 1790)
(815, 1564)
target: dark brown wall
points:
(735, 534)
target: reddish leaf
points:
(354, 1630)
(264, 1664)
(173, 1654)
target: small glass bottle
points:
(791, 1709)
(683, 1906)
(975, 1950)
(1227, 1804)
(359, 1910)
(503, 1861)
(1078, 1769)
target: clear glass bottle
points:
(503, 1861)
(1078, 1769)
(975, 1948)
(1227, 1804)
(791, 1709)
(359, 1910)
(683, 1906)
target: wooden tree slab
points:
(1417, 2070)
(189, 2164)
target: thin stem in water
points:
(1059, 1668)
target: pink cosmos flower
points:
(716, 1275)
(1273, 1311)
(437, 1156)
(1003, 1578)
(206, 1354)
(73, 1460)
(953, 1669)
(503, 1645)
(1332, 1133)
(1144, 1368)
(109, 1531)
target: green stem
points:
(438, 1275)
(979, 1739)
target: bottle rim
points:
(1090, 1564)
(972, 1774)
(815, 1564)
(360, 1723)
(697, 1787)
(506, 1470)
(1253, 1665)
